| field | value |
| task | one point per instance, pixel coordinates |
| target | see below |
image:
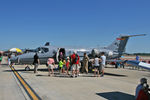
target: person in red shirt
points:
(75, 60)
(143, 93)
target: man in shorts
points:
(75, 59)
(51, 65)
(96, 66)
(103, 62)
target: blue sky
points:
(83, 23)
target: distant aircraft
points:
(113, 51)
(139, 64)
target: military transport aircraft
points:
(113, 51)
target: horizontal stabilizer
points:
(133, 35)
(139, 64)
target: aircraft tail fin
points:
(118, 46)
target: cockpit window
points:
(45, 49)
(42, 50)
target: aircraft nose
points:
(14, 59)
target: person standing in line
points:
(68, 65)
(85, 63)
(96, 66)
(36, 62)
(51, 65)
(75, 59)
(103, 63)
(61, 66)
(61, 56)
(64, 65)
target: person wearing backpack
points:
(75, 59)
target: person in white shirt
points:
(96, 66)
(103, 62)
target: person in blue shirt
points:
(137, 58)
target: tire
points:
(27, 68)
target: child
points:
(96, 66)
(68, 65)
(61, 65)
(64, 65)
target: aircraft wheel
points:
(27, 68)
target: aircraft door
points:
(61, 53)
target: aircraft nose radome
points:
(13, 59)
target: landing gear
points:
(27, 68)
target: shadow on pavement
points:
(64, 75)
(87, 75)
(42, 75)
(55, 75)
(19, 70)
(116, 96)
(23, 70)
(111, 74)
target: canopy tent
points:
(15, 50)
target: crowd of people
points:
(73, 63)
(72, 66)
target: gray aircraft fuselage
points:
(113, 51)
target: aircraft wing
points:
(139, 64)
(119, 61)
(133, 62)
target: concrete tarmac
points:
(117, 84)
(9, 87)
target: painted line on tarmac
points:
(31, 93)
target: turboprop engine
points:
(98, 52)
(110, 53)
